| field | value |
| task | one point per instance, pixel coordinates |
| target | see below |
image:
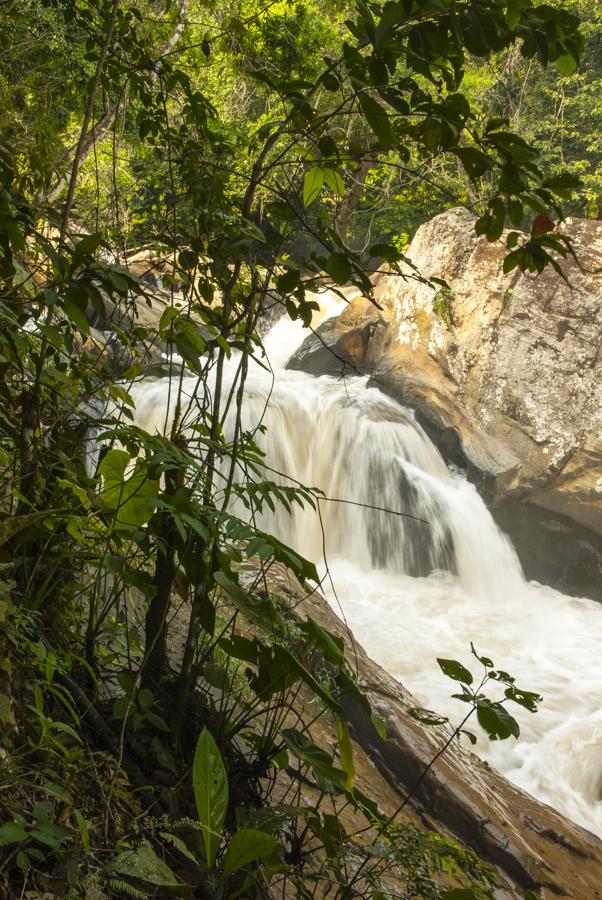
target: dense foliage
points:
(258, 153)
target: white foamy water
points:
(412, 591)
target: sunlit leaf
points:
(210, 784)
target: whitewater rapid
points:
(423, 586)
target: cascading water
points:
(426, 585)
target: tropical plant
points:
(131, 768)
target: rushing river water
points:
(412, 591)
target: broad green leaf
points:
(58, 790)
(112, 465)
(284, 655)
(312, 185)
(117, 392)
(331, 646)
(210, 784)
(168, 314)
(75, 314)
(288, 281)
(385, 251)
(65, 728)
(377, 118)
(514, 10)
(497, 721)
(379, 723)
(88, 245)
(246, 846)
(453, 669)
(528, 699)
(144, 864)
(330, 81)
(50, 834)
(187, 259)
(566, 64)
(338, 267)
(131, 500)
(330, 778)
(12, 833)
(334, 181)
(475, 162)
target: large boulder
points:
(504, 372)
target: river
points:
(424, 584)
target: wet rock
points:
(339, 346)
(532, 846)
(505, 375)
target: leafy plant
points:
(214, 139)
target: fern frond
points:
(184, 823)
(116, 884)
(179, 844)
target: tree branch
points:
(98, 132)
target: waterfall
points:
(419, 566)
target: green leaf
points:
(563, 181)
(332, 647)
(334, 181)
(566, 64)
(144, 865)
(377, 119)
(288, 281)
(330, 778)
(50, 834)
(169, 313)
(330, 81)
(58, 790)
(497, 721)
(12, 833)
(385, 251)
(180, 846)
(528, 699)
(312, 185)
(290, 662)
(131, 500)
(475, 162)
(514, 10)
(346, 752)
(84, 831)
(65, 728)
(87, 246)
(380, 724)
(455, 670)
(187, 259)
(210, 784)
(76, 315)
(248, 845)
(488, 663)
(338, 267)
